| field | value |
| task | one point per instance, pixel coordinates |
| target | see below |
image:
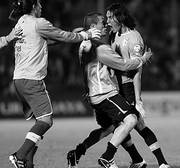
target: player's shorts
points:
(127, 91)
(34, 98)
(113, 110)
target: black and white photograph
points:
(89, 84)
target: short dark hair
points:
(91, 18)
(21, 7)
(122, 15)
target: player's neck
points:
(124, 29)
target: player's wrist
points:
(85, 35)
(8, 39)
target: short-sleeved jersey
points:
(31, 53)
(129, 45)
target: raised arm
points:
(48, 31)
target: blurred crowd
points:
(157, 20)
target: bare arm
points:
(137, 84)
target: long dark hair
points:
(122, 15)
(21, 7)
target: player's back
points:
(30, 51)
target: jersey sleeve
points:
(3, 41)
(107, 56)
(136, 46)
(48, 31)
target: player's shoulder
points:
(42, 20)
(135, 34)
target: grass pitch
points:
(66, 133)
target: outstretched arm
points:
(48, 31)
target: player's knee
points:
(131, 120)
(140, 124)
(47, 119)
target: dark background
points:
(157, 20)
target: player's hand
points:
(147, 55)
(94, 33)
(140, 108)
(14, 34)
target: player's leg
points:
(151, 141)
(137, 160)
(95, 136)
(30, 157)
(36, 95)
(127, 90)
(119, 111)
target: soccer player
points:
(129, 43)
(14, 34)
(31, 60)
(111, 109)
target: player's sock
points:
(131, 149)
(151, 141)
(80, 150)
(110, 152)
(93, 138)
(32, 137)
(30, 157)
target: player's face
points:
(101, 25)
(112, 22)
(38, 8)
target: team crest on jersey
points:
(137, 48)
(125, 42)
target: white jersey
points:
(31, 53)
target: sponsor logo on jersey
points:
(137, 48)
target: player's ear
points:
(93, 26)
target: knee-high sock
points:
(30, 157)
(32, 137)
(128, 145)
(92, 139)
(151, 141)
(110, 152)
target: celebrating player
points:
(31, 60)
(129, 43)
(111, 109)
